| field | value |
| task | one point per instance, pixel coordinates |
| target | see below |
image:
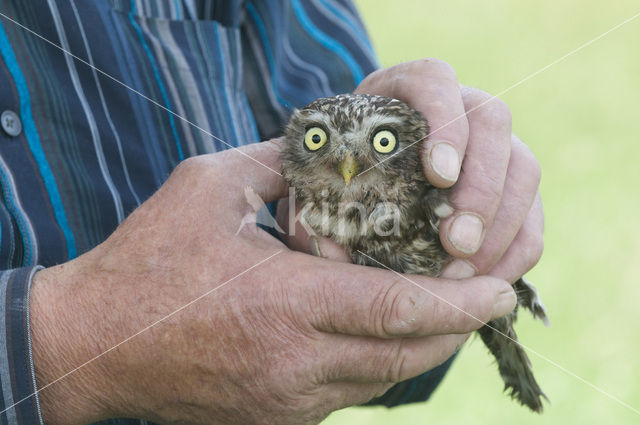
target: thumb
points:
(257, 166)
(375, 302)
(297, 237)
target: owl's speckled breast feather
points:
(398, 228)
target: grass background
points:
(581, 118)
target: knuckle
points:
(487, 107)
(533, 246)
(395, 363)
(454, 317)
(418, 72)
(490, 190)
(186, 164)
(375, 390)
(482, 196)
(531, 168)
(398, 370)
(536, 171)
(374, 79)
(496, 112)
(500, 108)
(394, 310)
(197, 161)
(194, 165)
(381, 389)
(437, 65)
(474, 97)
(528, 163)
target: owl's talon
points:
(443, 210)
(528, 298)
(315, 247)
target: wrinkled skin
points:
(292, 339)
(285, 342)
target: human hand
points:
(190, 321)
(497, 221)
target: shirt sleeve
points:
(19, 404)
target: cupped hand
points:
(496, 223)
(189, 313)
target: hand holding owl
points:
(241, 328)
(273, 336)
(496, 196)
(355, 159)
(497, 222)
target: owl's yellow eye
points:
(384, 141)
(315, 138)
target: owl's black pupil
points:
(316, 138)
(384, 141)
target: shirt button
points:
(11, 124)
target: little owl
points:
(354, 161)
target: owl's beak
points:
(348, 167)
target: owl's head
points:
(353, 143)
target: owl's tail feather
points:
(513, 363)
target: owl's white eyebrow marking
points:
(318, 116)
(373, 121)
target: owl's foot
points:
(528, 298)
(513, 363)
(314, 245)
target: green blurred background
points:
(581, 117)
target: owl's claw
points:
(315, 247)
(528, 298)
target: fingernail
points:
(445, 161)
(504, 304)
(465, 233)
(459, 269)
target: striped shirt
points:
(101, 99)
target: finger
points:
(257, 166)
(338, 395)
(431, 87)
(388, 361)
(526, 249)
(359, 300)
(477, 194)
(298, 238)
(521, 186)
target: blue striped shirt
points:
(111, 95)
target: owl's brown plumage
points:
(354, 161)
